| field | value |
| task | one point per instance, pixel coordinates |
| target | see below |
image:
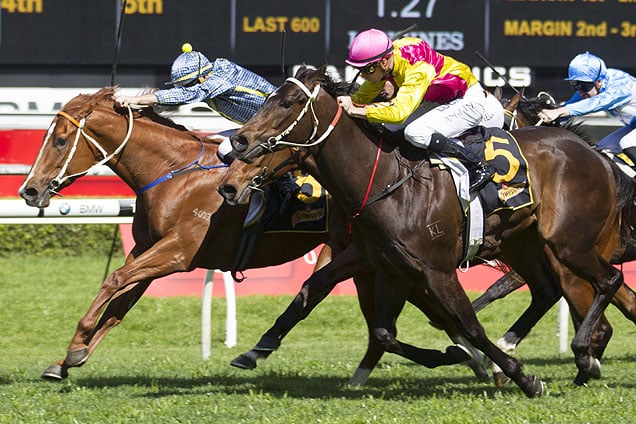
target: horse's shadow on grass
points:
(288, 384)
(300, 387)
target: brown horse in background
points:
(424, 248)
(181, 223)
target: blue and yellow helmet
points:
(586, 67)
(189, 67)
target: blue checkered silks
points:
(231, 90)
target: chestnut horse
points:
(423, 247)
(181, 223)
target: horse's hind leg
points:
(314, 290)
(625, 300)
(114, 313)
(530, 264)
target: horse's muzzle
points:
(33, 197)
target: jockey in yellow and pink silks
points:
(422, 74)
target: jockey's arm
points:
(352, 109)
(143, 100)
(549, 115)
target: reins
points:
(192, 166)
(273, 142)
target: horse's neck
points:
(152, 152)
(347, 160)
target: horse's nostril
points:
(239, 142)
(227, 191)
(29, 193)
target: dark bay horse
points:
(181, 222)
(423, 247)
(522, 112)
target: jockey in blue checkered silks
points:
(233, 91)
(598, 88)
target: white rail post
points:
(206, 312)
(563, 322)
(230, 318)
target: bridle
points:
(273, 143)
(81, 124)
(510, 116)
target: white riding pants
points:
(452, 119)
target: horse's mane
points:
(530, 108)
(80, 106)
(331, 86)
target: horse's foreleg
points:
(153, 263)
(390, 300)
(114, 313)
(501, 288)
(445, 289)
(586, 337)
(314, 290)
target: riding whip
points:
(479, 55)
(112, 83)
(117, 41)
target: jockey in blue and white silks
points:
(598, 88)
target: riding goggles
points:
(370, 68)
(584, 86)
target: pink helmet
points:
(368, 47)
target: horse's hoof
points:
(581, 378)
(246, 361)
(75, 358)
(500, 379)
(55, 373)
(591, 370)
(594, 370)
(477, 361)
(536, 387)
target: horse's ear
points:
(323, 69)
(498, 93)
(302, 68)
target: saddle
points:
(295, 203)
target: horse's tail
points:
(625, 198)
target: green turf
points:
(149, 369)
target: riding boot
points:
(631, 153)
(480, 172)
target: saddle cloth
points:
(509, 188)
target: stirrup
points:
(480, 176)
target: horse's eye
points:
(286, 103)
(59, 142)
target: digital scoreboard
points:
(534, 33)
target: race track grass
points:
(149, 369)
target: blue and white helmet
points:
(586, 67)
(188, 67)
